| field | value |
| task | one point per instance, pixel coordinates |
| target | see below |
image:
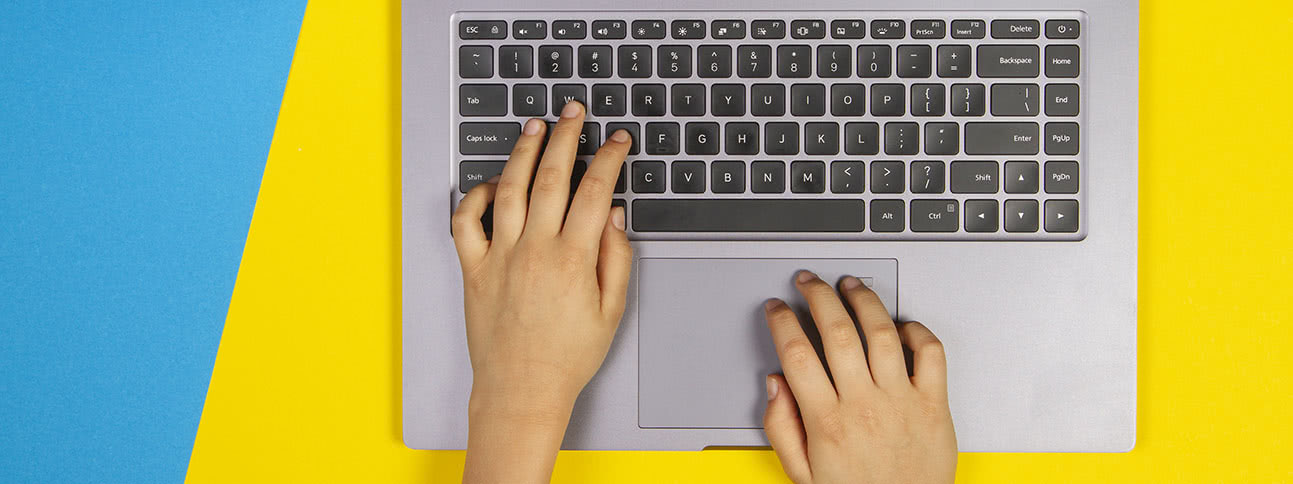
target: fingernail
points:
(850, 283)
(620, 136)
(771, 304)
(533, 126)
(493, 179)
(617, 217)
(772, 388)
(805, 276)
(571, 110)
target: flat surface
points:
(306, 387)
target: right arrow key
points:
(1062, 216)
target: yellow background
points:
(306, 384)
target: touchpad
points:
(704, 347)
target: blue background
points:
(133, 136)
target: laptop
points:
(974, 162)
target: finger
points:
(840, 338)
(929, 362)
(785, 430)
(552, 180)
(804, 372)
(468, 232)
(883, 347)
(592, 201)
(614, 262)
(512, 199)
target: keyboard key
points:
(887, 100)
(713, 61)
(1021, 215)
(741, 138)
(768, 99)
(727, 100)
(821, 138)
(942, 138)
(565, 93)
(687, 29)
(556, 61)
(1062, 29)
(953, 61)
(807, 177)
(1016, 99)
(1001, 138)
(914, 60)
(590, 138)
(648, 177)
(848, 177)
(727, 29)
(1062, 216)
(1061, 177)
(769, 29)
(482, 100)
(928, 29)
(702, 138)
(768, 177)
(755, 215)
(475, 61)
(529, 100)
(927, 100)
(1021, 177)
(609, 29)
(754, 61)
(482, 29)
(609, 100)
(1015, 29)
(807, 100)
(634, 133)
(1061, 138)
(967, 100)
(848, 29)
(529, 29)
(1008, 60)
(934, 215)
(687, 99)
(688, 176)
(888, 216)
(794, 60)
(569, 29)
(969, 29)
(927, 177)
(472, 173)
(901, 138)
(781, 138)
(635, 61)
(1062, 61)
(487, 138)
(662, 139)
(808, 29)
(594, 61)
(861, 138)
(649, 100)
(887, 176)
(975, 177)
(981, 216)
(516, 61)
(834, 61)
(649, 29)
(874, 61)
(1062, 99)
(675, 61)
(727, 177)
(848, 99)
(888, 29)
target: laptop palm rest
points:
(704, 346)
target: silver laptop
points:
(975, 162)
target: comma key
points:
(487, 138)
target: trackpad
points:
(704, 346)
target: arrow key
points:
(1062, 216)
(981, 216)
(1021, 177)
(1021, 215)
(848, 177)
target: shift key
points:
(487, 138)
(1001, 138)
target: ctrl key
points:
(487, 138)
(935, 215)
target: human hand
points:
(874, 424)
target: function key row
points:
(768, 29)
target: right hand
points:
(874, 424)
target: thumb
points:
(785, 429)
(614, 262)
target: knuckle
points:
(594, 184)
(550, 179)
(884, 338)
(841, 330)
(798, 352)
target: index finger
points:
(799, 362)
(592, 203)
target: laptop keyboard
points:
(783, 125)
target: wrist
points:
(528, 406)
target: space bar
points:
(749, 215)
